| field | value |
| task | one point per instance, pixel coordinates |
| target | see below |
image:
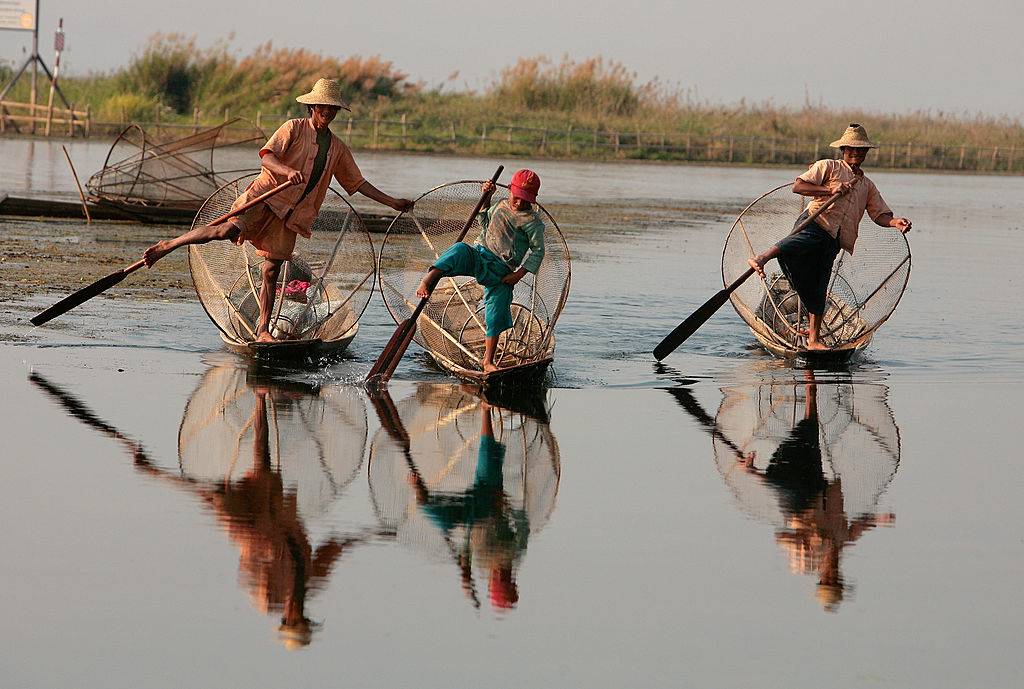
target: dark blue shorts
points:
(806, 259)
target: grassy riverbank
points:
(586, 109)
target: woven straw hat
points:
(325, 92)
(855, 137)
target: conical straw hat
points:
(325, 92)
(854, 136)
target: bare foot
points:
(265, 337)
(756, 265)
(489, 367)
(815, 345)
(156, 252)
(423, 291)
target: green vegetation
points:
(588, 108)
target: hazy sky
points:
(893, 55)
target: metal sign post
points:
(23, 15)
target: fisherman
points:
(806, 257)
(499, 259)
(301, 151)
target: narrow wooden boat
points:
(525, 375)
(291, 350)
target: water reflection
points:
(266, 458)
(465, 481)
(812, 459)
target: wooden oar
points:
(103, 284)
(699, 317)
(388, 360)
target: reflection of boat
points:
(864, 287)
(459, 479)
(266, 458)
(451, 327)
(813, 460)
(321, 293)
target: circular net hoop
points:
(452, 323)
(444, 427)
(858, 447)
(316, 438)
(141, 171)
(864, 287)
(337, 263)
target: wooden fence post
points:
(88, 119)
(259, 119)
(451, 131)
(595, 140)
(909, 146)
(71, 121)
(892, 156)
(375, 141)
(543, 140)
(995, 158)
(195, 120)
(772, 158)
(1009, 159)
(730, 149)
(568, 141)
(348, 131)
(405, 132)
(508, 135)
(750, 152)
(963, 152)
(616, 134)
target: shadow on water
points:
(451, 475)
(812, 459)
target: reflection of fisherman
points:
(277, 562)
(817, 526)
(806, 257)
(497, 533)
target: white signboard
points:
(19, 15)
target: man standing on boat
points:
(302, 151)
(806, 257)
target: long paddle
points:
(388, 360)
(708, 309)
(103, 284)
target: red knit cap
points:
(525, 185)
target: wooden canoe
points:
(524, 375)
(291, 350)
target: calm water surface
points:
(175, 518)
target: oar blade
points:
(393, 351)
(688, 327)
(77, 298)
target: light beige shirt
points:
(842, 218)
(294, 144)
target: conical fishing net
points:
(178, 173)
(316, 438)
(452, 324)
(849, 439)
(482, 494)
(321, 292)
(864, 288)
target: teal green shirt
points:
(510, 235)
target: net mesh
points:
(316, 437)
(452, 323)
(858, 446)
(337, 262)
(444, 424)
(178, 173)
(864, 288)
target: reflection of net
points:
(858, 438)
(316, 443)
(177, 173)
(452, 324)
(444, 426)
(339, 274)
(864, 288)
